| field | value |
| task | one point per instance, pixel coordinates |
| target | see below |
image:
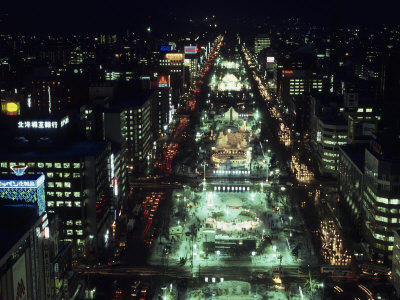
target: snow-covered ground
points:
(243, 215)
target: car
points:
(144, 291)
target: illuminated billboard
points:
(10, 108)
(174, 56)
(164, 81)
(186, 62)
(270, 59)
(23, 189)
(43, 124)
(190, 49)
(165, 48)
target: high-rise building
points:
(330, 134)
(298, 82)
(77, 186)
(396, 262)
(25, 266)
(139, 138)
(381, 194)
(162, 110)
(53, 95)
(172, 64)
(350, 181)
(261, 42)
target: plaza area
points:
(212, 228)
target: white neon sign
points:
(43, 124)
(22, 183)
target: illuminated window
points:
(50, 184)
(77, 165)
(77, 194)
(76, 175)
(77, 204)
(50, 203)
(67, 165)
(57, 165)
(79, 232)
(51, 194)
(68, 203)
(78, 223)
(40, 165)
(49, 165)
(67, 194)
(59, 194)
(67, 184)
(70, 222)
(59, 184)
(67, 175)
(381, 218)
(70, 232)
(50, 174)
(382, 200)
(59, 203)
(3, 165)
(394, 201)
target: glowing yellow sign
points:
(10, 108)
(174, 56)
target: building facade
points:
(77, 187)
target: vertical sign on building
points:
(19, 279)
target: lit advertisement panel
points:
(270, 59)
(10, 108)
(174, 56)
(28, 191)
(190, 49)
(19, 279)
(186, 62)
(43, 124)
(165, 48)
(164, 81)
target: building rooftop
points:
(356, 153)
(73, 150)
(333, 120)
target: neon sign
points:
(43, 124)
(164, 82)
(174, 56)
(270, 59)
(21, 183)
(287, 71)
(165, 48)
(190, 49)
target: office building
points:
(351, 181)
(261, 42)
(77, 187)
(396, 262)
(53, 95)
(381, 195)
(25, 270)
(331, 133)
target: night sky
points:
(90, 16)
